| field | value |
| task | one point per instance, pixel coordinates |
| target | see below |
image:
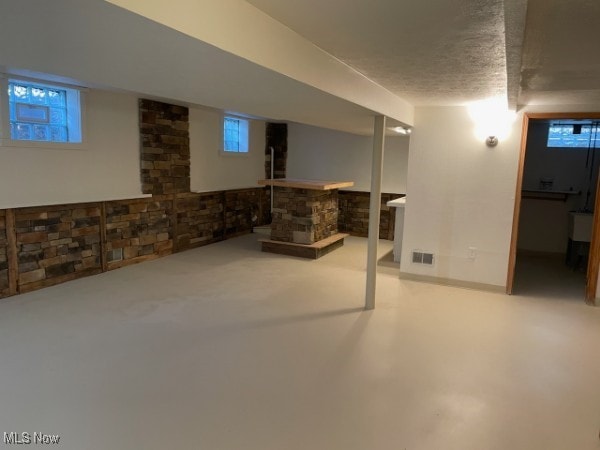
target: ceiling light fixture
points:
(402, 130)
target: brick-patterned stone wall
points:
(138, 229)
(276, 137)
(243, 209)
(354, 214)
(3, 256)
(304, 216)
(57, 244)
(54, 244)
(264, 208)
(199, 219)
(165, 153)
(209, 217)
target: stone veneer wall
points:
(204, 218)
(138, 229)
(276, 137)
(199, 219)
(57, 244)
(54, 244)
(354, 214)
(4, 282)
(244, 207)
(304, 216)
(165, 152)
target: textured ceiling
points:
(433, 52)
(441, 52)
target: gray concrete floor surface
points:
(225, 347)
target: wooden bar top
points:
(317, 185)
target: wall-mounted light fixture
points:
(491, 141)
(493, 120)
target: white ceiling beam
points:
(239, 28)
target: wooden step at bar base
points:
(312, 251)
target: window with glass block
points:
(235, 135)
(574, 134)
(43, 113)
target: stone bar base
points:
(304, 216)
(310, 251)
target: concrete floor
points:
(225, 347)
(550, 277)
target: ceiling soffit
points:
(561, 62)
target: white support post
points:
(272, 176)
(374, 209)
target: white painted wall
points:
(460, 194)
(210, 169)
(107, 168)
(319, 153)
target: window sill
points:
(234, 154)
(37, 145)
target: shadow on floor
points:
(548, 276)
(387, 260)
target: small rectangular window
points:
(235, 135)
(573, 134)
(43, 113)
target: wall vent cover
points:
(428, 259)
(419, 257)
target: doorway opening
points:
(554, 248)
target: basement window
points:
(36, 113)
(235, 135)
(573, 134)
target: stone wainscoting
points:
(276, 135)
(199, 219)
(138, 230)
(353, 217)
(4, 279)
(46, 245)
(55, 244)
